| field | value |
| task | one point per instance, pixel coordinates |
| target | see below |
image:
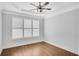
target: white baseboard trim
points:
(5, 47)
(78, 52)
(42, 41)
(61, 47)
(0, 52)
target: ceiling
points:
(56, 7)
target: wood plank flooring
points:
(36, 49)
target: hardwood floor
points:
(36, 49)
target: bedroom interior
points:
(39, 28)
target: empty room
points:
(39, 28)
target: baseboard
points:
(23, 44)
(0, 52)
(61, 47)
(42, 41)
(78, 52)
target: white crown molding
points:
(64, 11)
(34, 16)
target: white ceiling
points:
(56, 7)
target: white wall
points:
(78, 30)
(0, 30)
(61, 30)
(1, 7)
(13, 43)
(7, 30)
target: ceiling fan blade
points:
(46, 3)
(46, 8)
(39, 3)
(33, 4)
(49, 9)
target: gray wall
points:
(1, 7)
(78, 30)
(61, 30)
(0, 30)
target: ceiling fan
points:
(40, 7)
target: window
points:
(17, 27)
(35, 28)
(27, 28)
(17, 33)
(24, 28)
